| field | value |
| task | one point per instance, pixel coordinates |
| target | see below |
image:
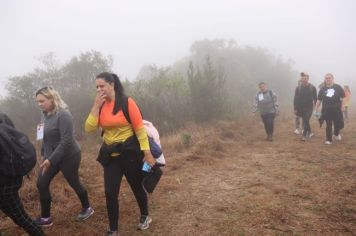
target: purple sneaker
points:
(85, 214)
(44, 222)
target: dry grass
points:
(226, 180)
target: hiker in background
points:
(347, 101)
(10, 202)
(298, 124)
(266, 104)
(304, 103)
(125, 147)
(331, 97)
(60, 152)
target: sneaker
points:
(112, 233)
(144, 222)
(311, 135)
(85, 214)
(338, 137)
(270, 138)
(327, 142)
(304, 139)
(296, 131)
(44, 222)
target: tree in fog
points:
(75, 81)
(162, 96)
(207, 91)
(244, 68)
(217, 79)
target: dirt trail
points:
(229, 181)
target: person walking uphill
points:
(331, 96)
(266, 104)
(10, 202)
(124, 149)
(347, 101)
(297, 117)
(304, 103)
(60, 152)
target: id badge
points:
(40, 131)
(260, 97)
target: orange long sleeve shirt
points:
(116, 128)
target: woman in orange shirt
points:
(124, 149)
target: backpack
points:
(270, 92)
(152, 133)
(18, 155)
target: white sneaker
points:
(338, 138)
(144, 222)
(311, 135)
(297, 131)
(327, 142)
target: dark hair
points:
(303, 74)
(112, 78)
(347, 88)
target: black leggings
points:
(268, 121)
(11, 205)
(129, 165)
(69, 167)
(306, 115)
(333, 117)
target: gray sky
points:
(319, 35)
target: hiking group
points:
(127, 150)
(130, 146)
(333, 99)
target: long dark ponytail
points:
(112, 78)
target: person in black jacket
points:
(10, 202)
(331, 96)
(304, 103)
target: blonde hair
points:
(54, 96)
(330, 75)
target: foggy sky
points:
(318, 35)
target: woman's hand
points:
(149, 158)
(45, 166)
(98, 102)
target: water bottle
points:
(146, 167)
(317, 115)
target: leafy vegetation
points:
(216, 81)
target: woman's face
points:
(329, 80)
(104, 88)
(45, 104)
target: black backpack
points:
(17, 153)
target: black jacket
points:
(5, 179)
(304, 97)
